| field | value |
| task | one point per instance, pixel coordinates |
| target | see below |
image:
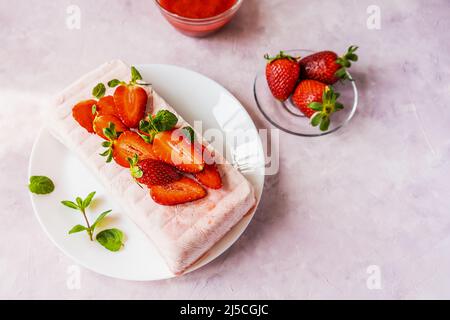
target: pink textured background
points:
(375, 193)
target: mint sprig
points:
(111, 239)
(99, 90)
(81, 205)
(324, 109)
(41, 185)
(164, 120)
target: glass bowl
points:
(199, 27)
(287, 117)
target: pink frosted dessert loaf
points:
(182, 233)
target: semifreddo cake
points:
(182, 233)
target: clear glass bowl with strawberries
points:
(307, 93)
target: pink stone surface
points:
(374, 193)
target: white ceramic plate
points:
(195, 97)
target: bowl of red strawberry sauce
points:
(198, 18)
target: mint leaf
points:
(113, 83)
(78, 228)
(164, 120)
(41, 185)
(99, 218)
(135, 75)
(111, 239)
(70, 204)
(99, 90)
(87, 201)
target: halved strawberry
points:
(82, 113)
(174, 148)
(178, 192)
(209, 156)
(209, 177)
(156, 173)
(131, 101)
(102, 121)
(129, 144)
(106, 106)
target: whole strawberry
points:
(327, 67)
(282, 73)
(316, 101)
(152, 172)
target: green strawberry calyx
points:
(279, 56)
(112, 135)
(324, 109)
(136, 79)
(135, 171)
(346, 62)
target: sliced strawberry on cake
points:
(178, 192)
(82, 113)
(130, 100)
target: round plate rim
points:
(249, 216)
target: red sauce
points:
(197, 9)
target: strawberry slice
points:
(178, 192)
(106, 106)
(82, 113)
(103, 121)
(209, 177)
(128, 145)
(173, 147)
(157, 173)
(208, 155)
(131, 102)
